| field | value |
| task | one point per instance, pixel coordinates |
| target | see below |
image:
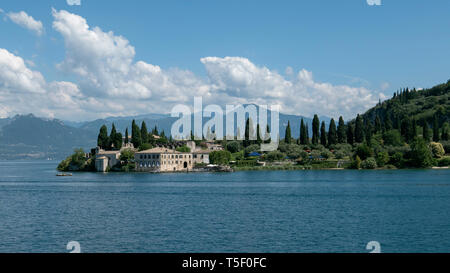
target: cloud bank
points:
(109, 81)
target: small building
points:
(214, 147)
(163, 160)
(106, 159)
(201, 157)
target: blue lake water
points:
(279, 211)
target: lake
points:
(273, 211)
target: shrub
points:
(184, 149)
(252, 148)
(421, 154)
(127, 155)
(275, 156)
(445, 162)
(145, 146)
(437, 149)
(234, 146)
(393, 138)
(340, 154)
(220, 157)
(446, 145)
(382, 158)
(326, 154)
(397, 160)
(363, 151)
(369, 164)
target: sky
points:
(84, 59)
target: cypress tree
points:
(413, 129)
(445, 132)
(126, 136)
(103, 139)
(368, 133)
(387, 123)
(287, 136)
(350, 134)
(359, 130)
(247, 133)
(323, 134)
(436, 136)
(302, 133)
(406, 129)
(267, 138)
(307, 134)
(144, 133)
(135, 135)
(258, 134)
(378, 125)
(332, 133)
(315, 125)
(341, 132)
(155, 131)
(112, 137)
(426, 131)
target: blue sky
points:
(342, 43)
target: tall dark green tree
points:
(307, 134)
(267, 137)
(287, 135)
(112, 137)
(135, 135)
(413, 129)
(368, 132)
(359, 130)
(144, 133)
(445, 132)
(341, 131)
(388, 123)
(155, 131)
(350, 134)
(436, 136)
(247, 134)
(378, 125)
(303, 133)
(332, 133)
(323, 134)
(426, 132)
(126, 136)
(258, 134)
(103, 139)
(406, 130)
(315, 125)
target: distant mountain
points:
(31, 137)
(4, 121)
(27, 137)
(164, 123)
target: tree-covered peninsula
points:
(410, 130)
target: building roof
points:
(108, 152)
(159, 150)
(201, 152)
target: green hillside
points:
(424, 106)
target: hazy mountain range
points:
(31, 137)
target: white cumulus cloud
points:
(74, 2)
(26, 21)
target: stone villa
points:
(159, 159)
(163, 160)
